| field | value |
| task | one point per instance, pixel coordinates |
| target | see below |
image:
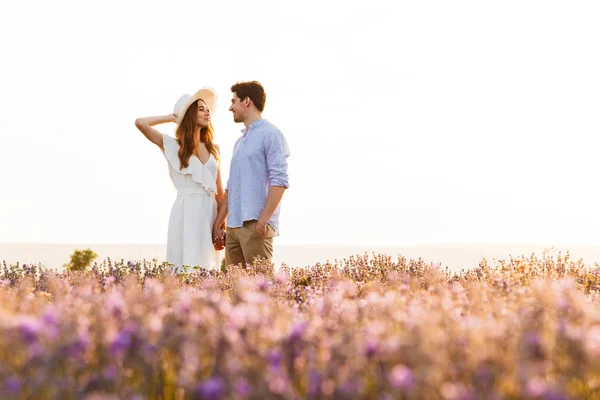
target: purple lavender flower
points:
(468, 395)
(110, 373)
(298, 331)
(51, 319)
(78, 347)
(30, 329)
(553, 395)
(485, 378)
(262, 284)
(532, 339)
(115, 303)
(212, 389)
(534, 345)
(274, 358)
(243, 388)
(371, 348)
(121, 343)
(149, 352)
(353, 387)
(13, 385)
(51, 315)
(314, 384)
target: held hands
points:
(218, 237)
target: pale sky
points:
(408, 121)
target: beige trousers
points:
(243, 245)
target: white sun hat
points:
(207, 95)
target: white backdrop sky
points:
(408, 121)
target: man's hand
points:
(218, 237)
(261, 228)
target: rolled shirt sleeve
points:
(277, 151)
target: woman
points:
(195, 170)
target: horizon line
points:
(414, 244)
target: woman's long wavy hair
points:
(188, 142)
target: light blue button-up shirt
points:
(259, 161)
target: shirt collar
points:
(253, 125)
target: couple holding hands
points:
(241, 218)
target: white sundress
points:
(189, 238)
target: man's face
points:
(238, 108)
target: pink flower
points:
(535, 387)
(401, 377)
(592, 340)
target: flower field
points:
(367, 327)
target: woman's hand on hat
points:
(173, 117)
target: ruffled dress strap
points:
(200, 174)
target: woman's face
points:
(203, 115)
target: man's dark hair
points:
(253, 90)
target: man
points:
(257, 179)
